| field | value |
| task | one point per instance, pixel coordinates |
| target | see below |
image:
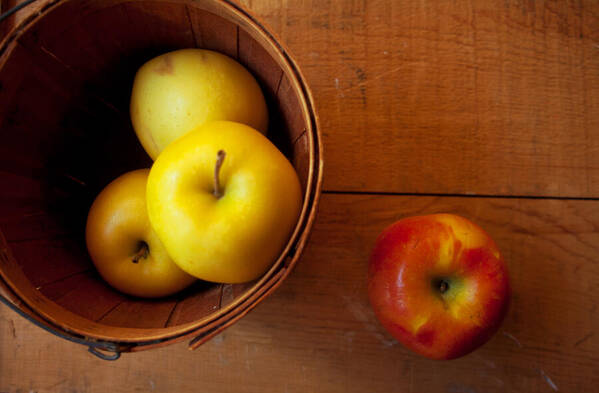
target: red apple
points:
(438, 284)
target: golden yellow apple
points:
(126, 251)
(224, 201)
(181, 90)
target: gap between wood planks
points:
(429, 194)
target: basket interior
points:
(66, 133)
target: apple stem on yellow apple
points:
(220, 158)
(143, 252)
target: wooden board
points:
(497, 97)
(317, 333)
(428, 97)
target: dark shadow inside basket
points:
(66, 133)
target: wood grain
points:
(139, 313)
(498, 98)
(86, 295)
(213, 32)
(47, 260)
(207, 299)
(317, 332)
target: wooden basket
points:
(66, 73)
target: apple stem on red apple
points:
(143, 252)
(443, 286)
(220, 158)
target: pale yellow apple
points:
(181, 90)
(229, 224)
(126, 251)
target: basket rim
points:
(290, 254)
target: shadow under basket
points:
(66, 74)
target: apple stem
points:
(443, 286)
(141, 253)
(220, 158)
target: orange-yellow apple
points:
(126, 251)
(438, 284)
(224, 201)
(181, 90)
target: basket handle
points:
(14, 9)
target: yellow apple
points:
(126, 251)
(224, 201)
(181, 90)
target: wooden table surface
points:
(487, 109)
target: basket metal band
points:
(15, 9)
(96, 348)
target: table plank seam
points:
(424, 194)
